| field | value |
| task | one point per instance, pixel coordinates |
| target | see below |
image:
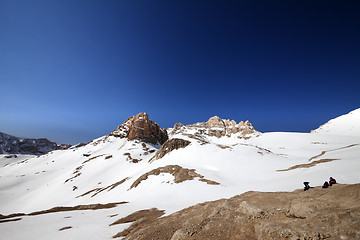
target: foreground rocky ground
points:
(332, 213)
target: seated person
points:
(307, 187)
(332, 181)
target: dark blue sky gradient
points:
(73, 70)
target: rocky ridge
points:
(14, 145)
(218, 127)
(140, 127)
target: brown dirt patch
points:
(323, 152)
(73, 177)
(332, 213)
(12, 215)
(139, 218)
(77, 172)
(64, 228)
(223, 146)
(92, 158)
(316, 156)
(66, 209)
(99, 190)
(208, 181)
(10, 220)
(308, 165)
(88, 192)
(76, 208)
(129, 158)
(180, 174)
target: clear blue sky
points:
(73, 70)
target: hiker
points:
(307, 187)
(332, 181)
(326, 184)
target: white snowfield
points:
(105, 170)
(347, 125)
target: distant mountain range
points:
(140, 171)
(15, 145)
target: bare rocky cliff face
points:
(140, 127)
(331, 214)
(15, 145)
(218, 127)
(168, 146)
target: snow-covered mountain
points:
(348, 125)
(141, 166)
(14, 145)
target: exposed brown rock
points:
(138, 218)
(177, 128)
(216, 122)
(150, 213)
(77, 208)
(336, 149)
(11, 215)
(100, 189)
(180, 174)
(309, 165)
(332, 213)
(96, 206)
(10, 220)
(65, 228)
(140, 127)
(168, 146)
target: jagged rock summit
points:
(140, 127)
(218, 127)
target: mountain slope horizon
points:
(146, 167)
(16, 145)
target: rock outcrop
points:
(180, 175)
(15, 145)
(170, 145)
(140, 127)
(332, 213)
(218, 127)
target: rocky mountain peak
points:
(218, 127)
(215, 122)
(140, 127)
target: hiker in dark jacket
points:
(326, 185)
(307, 187)
(332, 181)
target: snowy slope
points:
(348, 125)
(112, 169)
